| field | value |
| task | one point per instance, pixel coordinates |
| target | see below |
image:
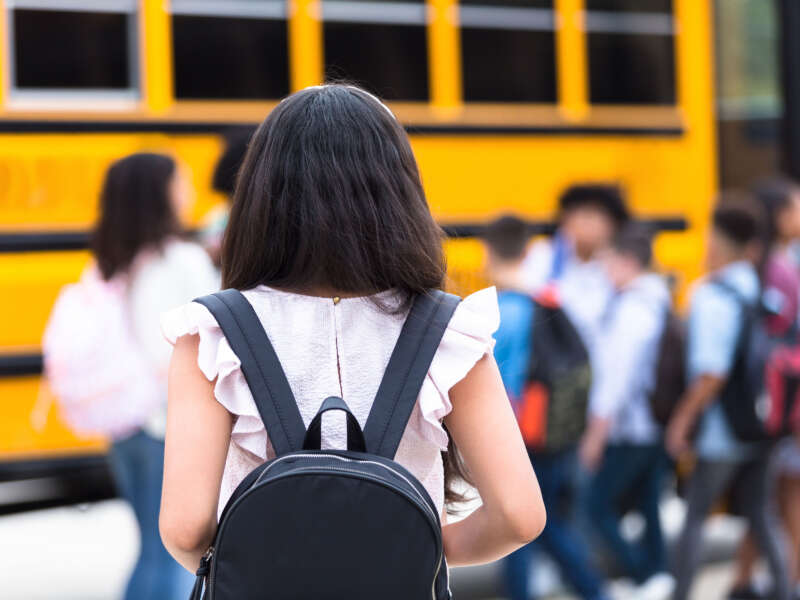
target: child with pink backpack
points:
(105, 359)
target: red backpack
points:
(780, 410)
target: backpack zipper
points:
(343, 459)
(420, 504)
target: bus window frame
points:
(539, 20)
(214, 109)
(253, 109)
(126, 99)
(624, 22)
(414, 14)
(593, 116)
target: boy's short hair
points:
(507, 237)
(606, 197)
(636, 241)
(738, 217)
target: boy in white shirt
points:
(622, 445)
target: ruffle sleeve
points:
(217, 360)
(466, 340)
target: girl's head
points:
(329, 198)
(139, 205)
(780, 201)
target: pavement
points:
(86, 553)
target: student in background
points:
(589, 215)
(622, 444)
(138, 236)
(780, 200)
(715, 321)
(224, 182)
(104, 354)
(506, 241)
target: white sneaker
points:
(659, 587)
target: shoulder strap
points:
(737, 295)
(412, 356)
(729, 289)
(261, 367)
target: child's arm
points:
(702, 392)
(198, 434)
(713, 333)
(484, 429)
(593, 442)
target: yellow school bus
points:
(506, 101)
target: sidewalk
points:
(86, 553)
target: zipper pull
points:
(202, 573)
(205, 561)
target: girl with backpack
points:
(105, 359)
(332, 243)
(780, 280)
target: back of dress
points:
(338, 347)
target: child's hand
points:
(593, 445)
(677, 435)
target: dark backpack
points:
(761, 397)
(329, 524)
(670, 373)
(744, 397)
(552, 410)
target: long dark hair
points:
(135, 211)
(329, 196)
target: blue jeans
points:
(137, 464)
(630, 473)
(559, 539)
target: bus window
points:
(232, 50)
(379, 44)
(631, 49)
(66, 47)
(508, 50)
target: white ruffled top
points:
(337, 348)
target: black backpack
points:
(744, 398)
(329, 524)
(552, 412)
(670, 374)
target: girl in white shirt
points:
(137, 243)
(330, 238)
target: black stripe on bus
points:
(54, 126)
(49, 241)
(471, 230)
(39, 241)
(20, 365)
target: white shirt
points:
(628, 343)
(329, 348)
(159, 281)
(583, 287)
